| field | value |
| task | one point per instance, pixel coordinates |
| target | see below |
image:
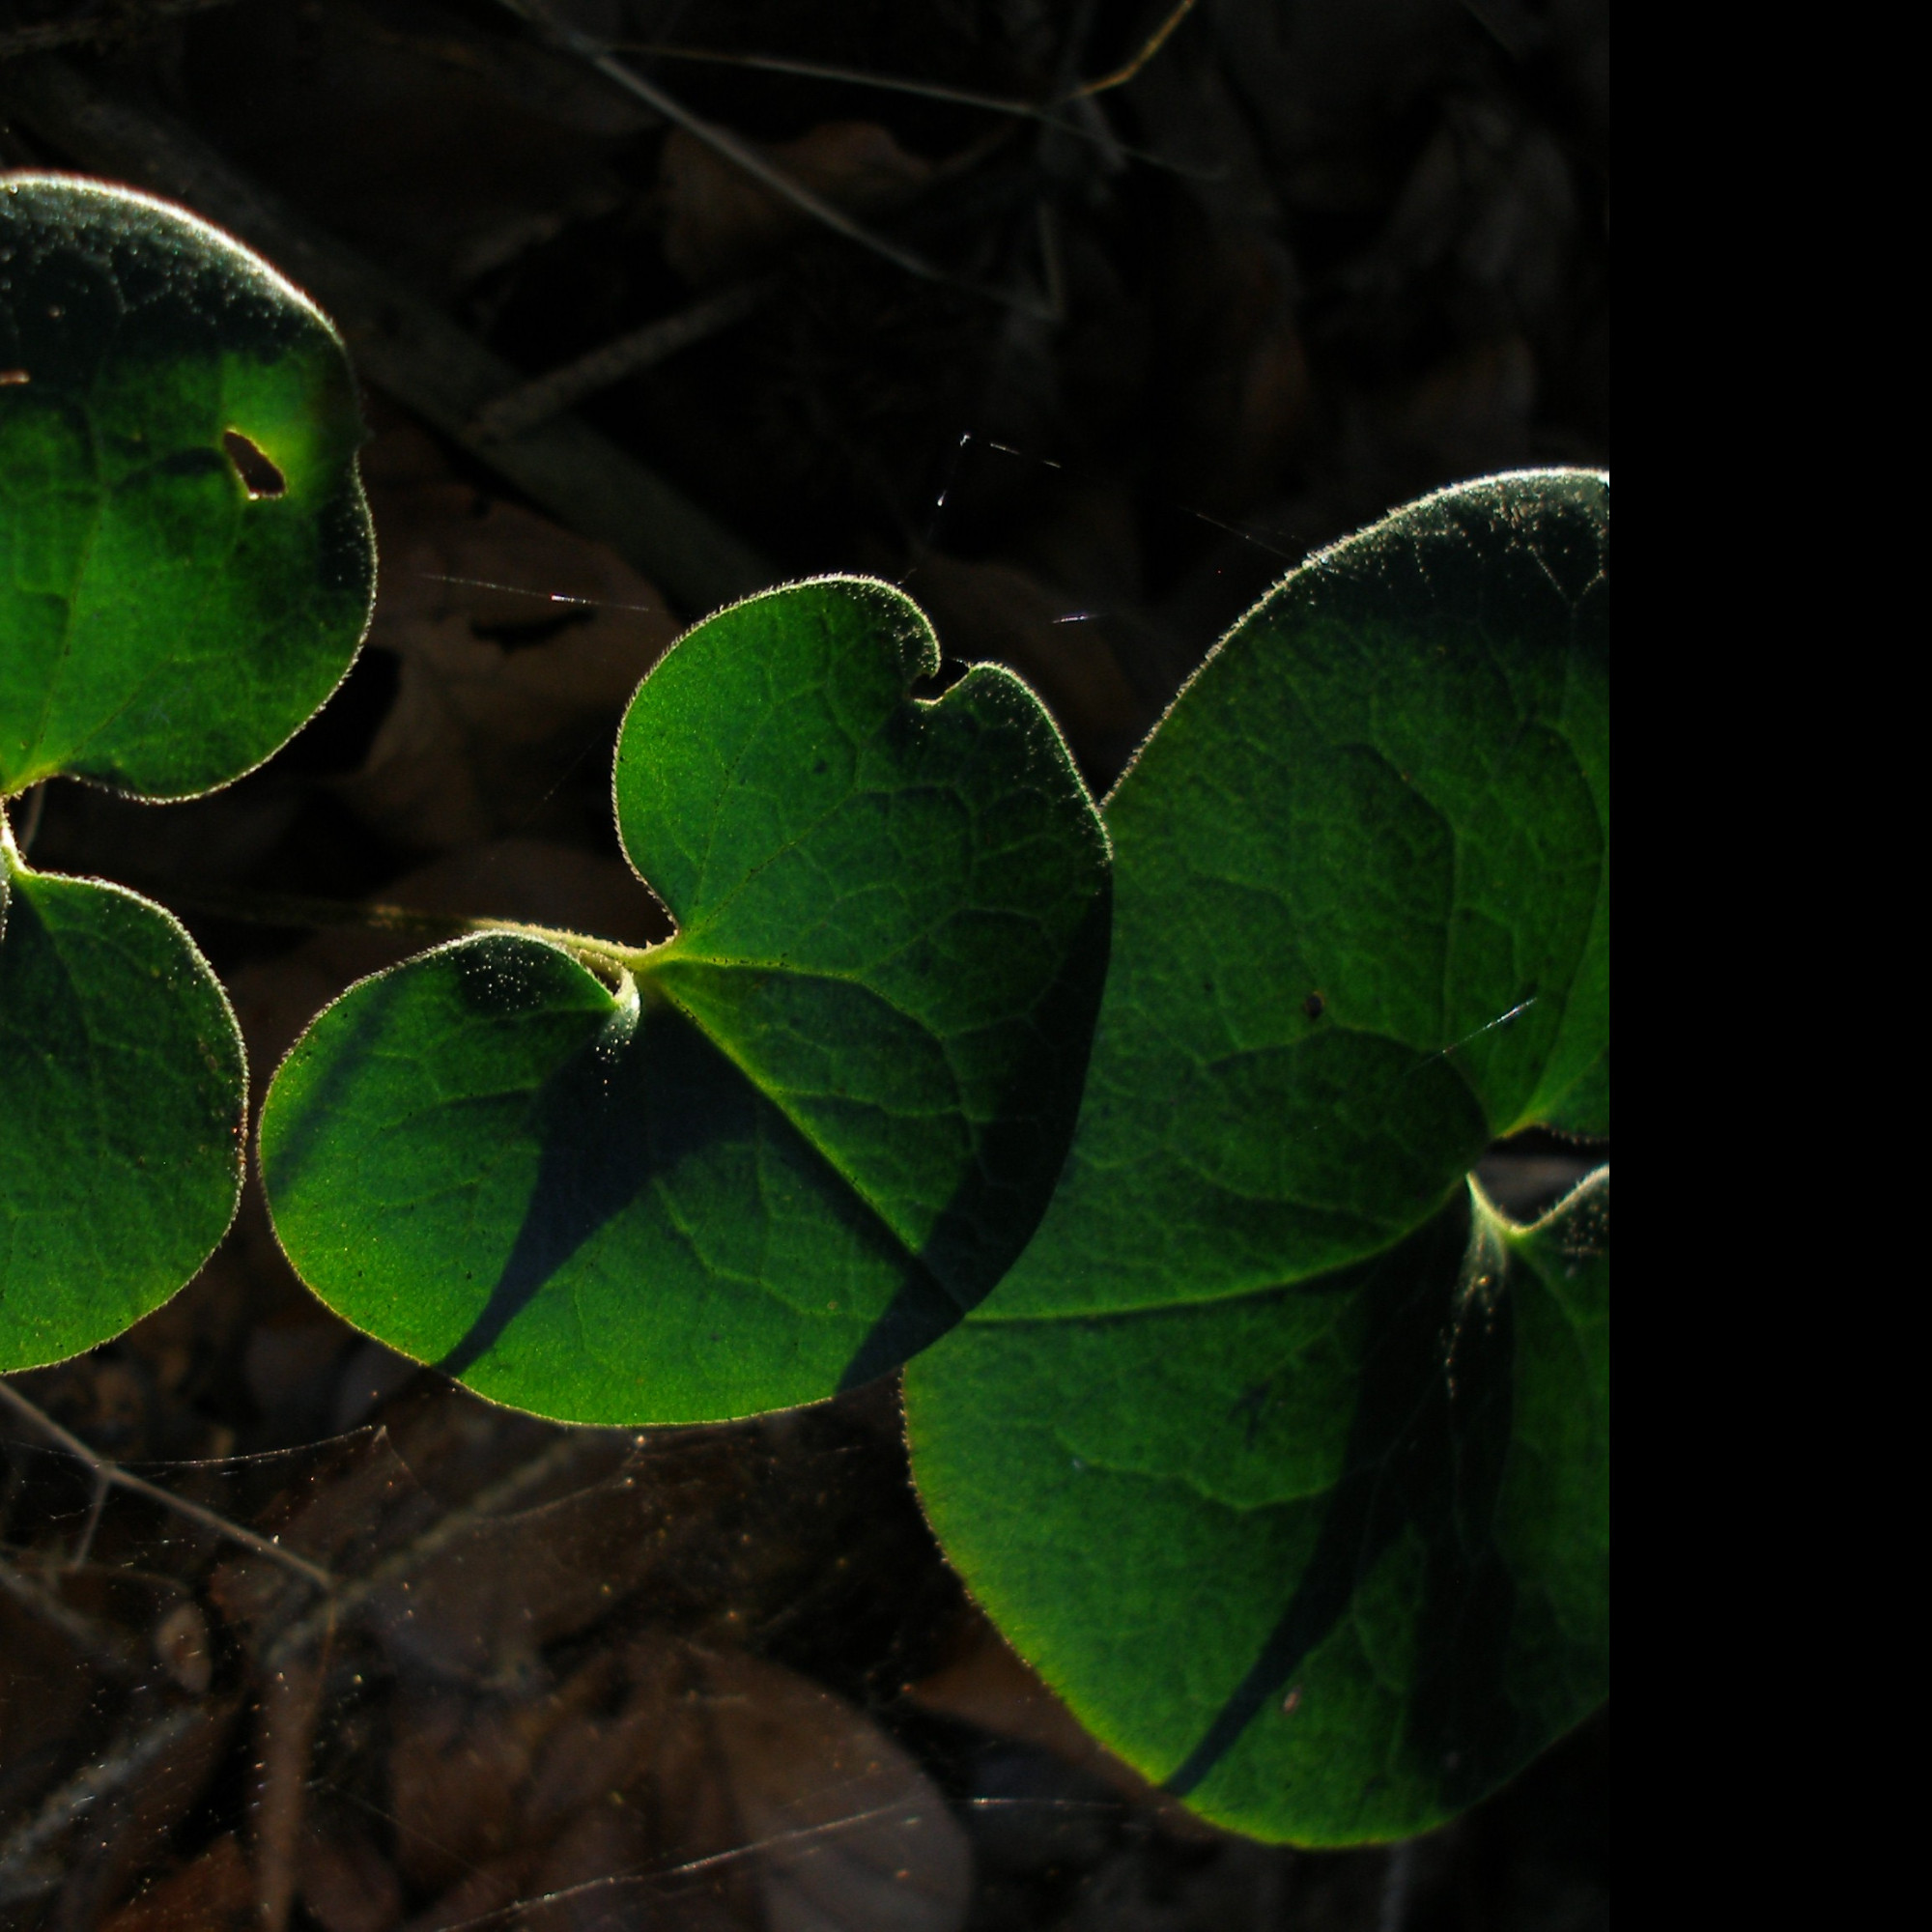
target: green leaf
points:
(1329, 1561)
(161, 630)
(1231, 1428)
(798, 1140)
(162, 627)
(123, 1080)
(1356, 927)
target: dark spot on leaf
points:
(259, 475)
(1315, 1005)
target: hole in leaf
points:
(11, 378)
(259, 476)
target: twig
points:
(564, 387)
(127, 1761)
(743, 154)
(106, 1471)
(848, 77)
(51, 34)
(926, 89)
(1150, 47)
(403, 344)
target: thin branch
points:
(106, 1471)
(1148, 48)
(927, 90)
(97, 26)
(106, 1775)
(741, 154)
(924, 89)
(564, 387)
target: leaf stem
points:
(605, 956)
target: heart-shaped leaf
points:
(1332, 1561)
(799, 1139)
(1360, 930)
(120, 1105)
(1361, 922)
(185, 572)
(163, 627)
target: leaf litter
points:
(572, 1677)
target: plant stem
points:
(603, 956)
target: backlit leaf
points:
(796, 1141)
(1279, 1462)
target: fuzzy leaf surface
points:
(1330, 1561)
(1280, 1460)
(163, 631)
(1361, 918)
(823, 1118)
(121, 1106)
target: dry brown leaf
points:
(347, 1884)
(129, 1830)
(519, 645)
(487, 1895)
(719, 1792)
(46, 1688)
(215, 1894)
(457, 1772)
(851, 1835)
(603, 1875)
(718, 221)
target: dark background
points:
(1097, 380)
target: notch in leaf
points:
(164, 625)
(792, 1145)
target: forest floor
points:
(1089, 335)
